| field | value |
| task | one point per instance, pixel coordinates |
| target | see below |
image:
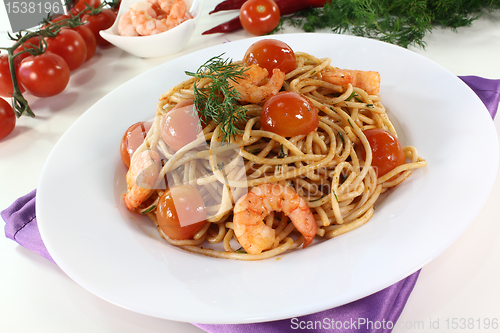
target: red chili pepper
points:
(228, 5)
(286, 7)
(228, 26)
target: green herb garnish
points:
(282, 152)
(241, 250)
(400, 22)
(318, 198)
(335, 194)
(148, 210)
(219, 101)
(341, 136)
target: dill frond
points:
(400, 22)
(218, 100)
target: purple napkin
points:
(21, 224)
(375, 313)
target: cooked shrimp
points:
(250, 210)
(366, 80)
(177, 12)
(144, 18)
(254, 88)
(141, 176)
(152, 17)
(125, 26)
(165, 5)
(160, 13)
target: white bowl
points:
(163, 44)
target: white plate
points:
(120, 257)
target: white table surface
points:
(460, 285)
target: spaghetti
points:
(329, 169)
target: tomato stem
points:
(51, 29)
(19, 103)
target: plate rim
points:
(41, 196)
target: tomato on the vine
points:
(82, 5)
(32, 43)
(271, 54)
(70, 45)
(44, 75)
(59, 18)
(89, 38)
(289, 114)
(132, 139)
(117, 7)
(6, 86)
(259, 17)
(181, 212)
(387, 152)
(7, 118)
(98, 22)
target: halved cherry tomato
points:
(6, 86)
(44, 75)
(387, 152)
(98, 22)
(179, 127)
(7, 118)
(132, 139)
(289, 114)
(259, 17)
(70, 45)
(181, 212)
(271, 54)
(82, 5)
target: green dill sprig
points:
(219, 100)
(282, 153)
(400, 22)
(241, 250)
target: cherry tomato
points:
(89, 38)
(271, 54)
(289, 114)
(59, 18)
(7, 118)
(70, 45)
(82, 5)
(32, 43)
(387, 152)
(259, 17)
(44, 75)
(85, 32)
(98, 22)
(6, 86)
(181, 212)
(179, 127)
(187, 102)
(117, 7)
(132, 139)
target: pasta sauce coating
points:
(328, 170)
